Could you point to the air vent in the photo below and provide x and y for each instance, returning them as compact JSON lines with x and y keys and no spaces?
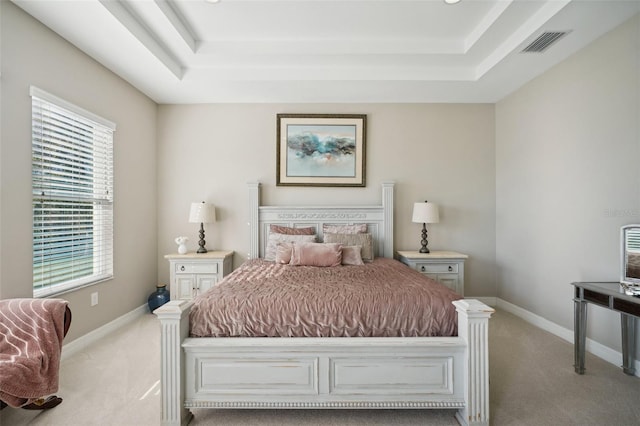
{"x":544,"y":41}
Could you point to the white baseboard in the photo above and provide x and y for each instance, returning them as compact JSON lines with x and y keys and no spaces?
{"x":597,"y":349}
{"x":96,"y":335}
{"x":490,"y":301}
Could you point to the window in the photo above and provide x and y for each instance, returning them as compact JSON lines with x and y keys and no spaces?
{"x":72,"y":181}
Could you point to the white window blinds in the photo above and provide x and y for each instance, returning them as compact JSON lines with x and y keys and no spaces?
{"x":72,"y":180}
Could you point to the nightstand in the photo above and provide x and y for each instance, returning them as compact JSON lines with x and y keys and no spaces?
{"x":194,"y":273}
{"x":446,"y":267}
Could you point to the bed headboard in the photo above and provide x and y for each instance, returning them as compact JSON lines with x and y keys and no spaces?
{"x":379,"y":219}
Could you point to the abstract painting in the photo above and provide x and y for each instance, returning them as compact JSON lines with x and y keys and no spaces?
{"x":321,"y":149}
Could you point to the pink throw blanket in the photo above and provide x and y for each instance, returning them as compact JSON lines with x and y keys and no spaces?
{"x":31,"y":333}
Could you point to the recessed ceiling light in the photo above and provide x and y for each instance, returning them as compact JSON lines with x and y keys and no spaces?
{"x":212,"y":1}
{"x":451,"y":1}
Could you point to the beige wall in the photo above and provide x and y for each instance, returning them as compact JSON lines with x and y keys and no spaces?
{"x":33,"y":55}
{"x":567,"y":178}
{"x":443,"y":153}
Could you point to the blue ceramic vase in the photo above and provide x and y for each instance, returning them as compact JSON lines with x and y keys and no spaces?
{"x":158,"y":297}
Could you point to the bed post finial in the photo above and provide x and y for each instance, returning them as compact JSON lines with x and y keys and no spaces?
{"x":254,"y":203}
{"x":387,"y":205}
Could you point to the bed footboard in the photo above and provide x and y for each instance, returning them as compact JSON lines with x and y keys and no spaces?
{"x":436,"y":372}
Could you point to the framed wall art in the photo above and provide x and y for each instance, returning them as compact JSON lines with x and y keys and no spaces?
{"x":321,"y":149}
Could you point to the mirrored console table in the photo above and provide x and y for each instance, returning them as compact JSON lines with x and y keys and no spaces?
{"x":608,"y":295}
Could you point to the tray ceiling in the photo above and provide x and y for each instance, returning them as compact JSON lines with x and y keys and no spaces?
{"x":194,"y":51}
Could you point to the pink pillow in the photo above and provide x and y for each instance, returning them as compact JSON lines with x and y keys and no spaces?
{"x":351,"y":255}
{"x":316,"y":254}
{"x":283,"y":253}
{"x":278,"y":229}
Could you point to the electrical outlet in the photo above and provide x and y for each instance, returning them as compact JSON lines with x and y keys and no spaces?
{"x":94,"y":298}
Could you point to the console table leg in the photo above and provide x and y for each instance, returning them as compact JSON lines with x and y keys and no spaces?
{"x":580,"y":334}
{"x":628,"y":343}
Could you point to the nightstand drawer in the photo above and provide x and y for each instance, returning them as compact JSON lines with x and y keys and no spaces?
{"x":196,"y":268}
{"x":437,"y":268}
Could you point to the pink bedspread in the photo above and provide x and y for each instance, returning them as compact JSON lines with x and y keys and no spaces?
{"x":380,"y":299}
{"x":31,"y":333}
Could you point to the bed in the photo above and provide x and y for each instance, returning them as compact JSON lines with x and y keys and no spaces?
{"x":449,"y":372}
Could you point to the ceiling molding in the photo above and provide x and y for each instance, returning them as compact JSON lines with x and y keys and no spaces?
{"x":487,"y":22}
{"x":127,"y":17}
{"x":179,"y":23}
{"x":323,"y":47}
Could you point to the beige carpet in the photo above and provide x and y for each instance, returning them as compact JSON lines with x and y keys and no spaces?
{"x":115,"y":382}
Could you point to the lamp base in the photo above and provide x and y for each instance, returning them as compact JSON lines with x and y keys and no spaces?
{"x":202,"y":242}
{"x":424,"y":241}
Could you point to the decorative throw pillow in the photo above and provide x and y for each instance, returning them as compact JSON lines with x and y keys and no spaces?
{"x":365,"y":240}
{"x":278,"y":229}
{"x":357,"y":228}
{"x":274,"y":239}
{"x":351,"y":255}
{"x":283,"y":253}
{"x":316,"y":254}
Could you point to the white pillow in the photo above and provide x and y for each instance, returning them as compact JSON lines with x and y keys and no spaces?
{"x":357,"y":228}
{"x":274,"y":239}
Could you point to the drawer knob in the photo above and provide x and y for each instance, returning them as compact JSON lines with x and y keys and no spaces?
{"x":182,"y":268}
{"x":450,"y":268}
{"x":422,"y":268}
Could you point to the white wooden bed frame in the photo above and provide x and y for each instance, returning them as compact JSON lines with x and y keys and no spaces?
{"x":352,"y":373}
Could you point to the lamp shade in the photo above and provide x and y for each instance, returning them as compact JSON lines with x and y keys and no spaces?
{"x":202,"y":213}
{"x":425,"y":213}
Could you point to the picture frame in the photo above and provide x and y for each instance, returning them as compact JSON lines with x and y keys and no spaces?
{"x":321,"y":150}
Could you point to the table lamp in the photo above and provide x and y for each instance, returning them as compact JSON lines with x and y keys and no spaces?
{"x":202,"y":213}
{"x":425,"y":213}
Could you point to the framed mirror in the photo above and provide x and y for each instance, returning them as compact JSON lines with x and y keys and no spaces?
{"x":630,"y":258}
